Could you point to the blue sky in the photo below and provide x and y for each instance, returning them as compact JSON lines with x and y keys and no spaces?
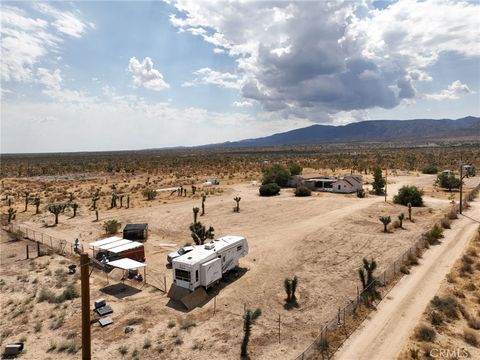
{"x":79,"y":76}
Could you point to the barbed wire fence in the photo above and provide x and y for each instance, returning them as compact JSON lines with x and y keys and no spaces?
{"x":340,"y":326}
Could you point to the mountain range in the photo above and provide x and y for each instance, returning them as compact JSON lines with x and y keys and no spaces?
{"x":418,"y":130}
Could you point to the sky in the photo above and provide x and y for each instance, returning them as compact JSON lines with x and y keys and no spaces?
{"x":95,"y":76}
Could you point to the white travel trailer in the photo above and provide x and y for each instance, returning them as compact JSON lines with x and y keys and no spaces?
{"x":206,"y":264}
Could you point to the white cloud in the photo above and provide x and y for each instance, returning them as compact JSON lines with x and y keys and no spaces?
{"x":242,"y":104}
{"x":145,"y":75}
{"x":25,"y":40}
{"x":208,"y":76}
{"x":454,"y":90}
{"x":316,"y":59}
{"x":65,"y":21}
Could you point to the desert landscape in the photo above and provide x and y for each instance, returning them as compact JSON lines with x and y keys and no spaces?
{"x":320,"y":239}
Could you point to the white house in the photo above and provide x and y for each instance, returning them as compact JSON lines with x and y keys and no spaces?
{"x":346,"y":184}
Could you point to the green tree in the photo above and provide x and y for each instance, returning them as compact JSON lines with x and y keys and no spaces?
{"x":277,"y":174}
{"x":385,"y":220}
{"x":409,"y":194}
{"x":249,"y":318}
{"x":290,"y":286}
{"x":378,"y":181}
{"x":200,"y":233}
{"x":369,"y":282}
{"x":295,"y":169}
{"x":237,"y":200}
{"x":56,"y":209}
{"x":111,"y":226}
{"x":448,"y":181}
{"x":302,"y":191}
{"x":149,"y":194}
{"x":74,"y":207}
{"x":401,"y":217}
{"x":430,"y":169}
{"x":269,"y":189}
{"x":113,"y":202}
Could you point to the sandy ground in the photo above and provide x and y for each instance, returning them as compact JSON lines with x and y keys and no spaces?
{"x":385,"y":333}
{"x":321,"y":239}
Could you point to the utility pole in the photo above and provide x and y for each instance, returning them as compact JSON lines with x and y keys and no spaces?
{"x":460,"y":208}
{"x":85,"y":277}
{"x":386,"y":174}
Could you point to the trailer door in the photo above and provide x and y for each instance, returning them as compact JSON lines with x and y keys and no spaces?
{"x":210,"y":272}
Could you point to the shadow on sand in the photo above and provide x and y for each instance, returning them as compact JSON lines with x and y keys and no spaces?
{"x":228,"y":278}
{"x":120,"y":290}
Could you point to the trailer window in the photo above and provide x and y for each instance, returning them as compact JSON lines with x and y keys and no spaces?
{"x":239,"y":248}
{"x":182,"y":275}
{"x":196,"y":276}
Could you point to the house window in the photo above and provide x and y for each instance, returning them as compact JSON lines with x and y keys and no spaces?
{"x":182,"y":275}
{"x":339,"y":186}
{"x":196,"y":276}
{"x":239,"y":248}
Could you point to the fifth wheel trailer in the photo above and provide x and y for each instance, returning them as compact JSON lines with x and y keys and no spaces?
{"x":206,"y":264}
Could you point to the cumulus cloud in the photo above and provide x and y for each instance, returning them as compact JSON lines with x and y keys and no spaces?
{"x":242,"y":104}
{"x":145,"y":75}
{"x":209,"y":76}
{"x":317,"y":59}
{"x":65,"y":22}
{"x":454,"y":91}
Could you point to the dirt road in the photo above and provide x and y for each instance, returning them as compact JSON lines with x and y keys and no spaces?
{"x":384,"y":334}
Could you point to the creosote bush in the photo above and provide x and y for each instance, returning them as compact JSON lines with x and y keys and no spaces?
{"x":111,"y":226}
{"x":425,"y":333}
{"x":409,"y":194}
{"x":302,"y":191}
{"x":270,"y":189}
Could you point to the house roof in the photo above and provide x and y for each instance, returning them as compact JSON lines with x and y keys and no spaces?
{"x":104,"y":241}
{"x":126,"y":264}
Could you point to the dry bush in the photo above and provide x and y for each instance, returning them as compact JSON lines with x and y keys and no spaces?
{"x":425,"y":333}
{"x":470,"y":337}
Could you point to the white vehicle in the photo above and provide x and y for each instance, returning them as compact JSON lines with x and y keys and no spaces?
{"x":205,"y":265}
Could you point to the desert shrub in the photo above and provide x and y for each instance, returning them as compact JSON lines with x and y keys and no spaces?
{"x":409,"y":194}
{"x":474,"y":323}
{"x":302,"y":191}
{"x":425,"y":333}
{"x":412,"y":259}
{"x":434,"y":235}
{"x":448,"y":306}
{"x":70,"y":346}
{"x":404,"y":270}
{"x":448,"y":181}
{"x":277,"y":174}
{"x":123,"y":350}
{"x":187,"y":324}
{"x":270,"y":189}
{"x":149,"y":194}
{"x":360,"y":193}
{"x":57,"y":323}
{"x":147,"y":343}
{"x":295,"y":169}
{"x":37,"y":327}
{"x":446,"y":223}
{"x":470,"y":337}
{"x":436,"y":318}
{"x":452,"y":215}
{"x":171,"y":324}
{"x":111,"y":226}
{"x":430,"y":169}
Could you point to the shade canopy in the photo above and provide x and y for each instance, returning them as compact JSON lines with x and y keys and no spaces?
{"x":126,"y":264}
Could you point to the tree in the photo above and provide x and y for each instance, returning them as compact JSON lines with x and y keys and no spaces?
{"x":74,"y":207}
{"x":195,"y":210}
{"x":385,"y":221}
{"x":369,"y":282}
{"x":295,"y":169}
{"x":401,"y":217}
{"x":111,"y":226}
{"x":121,"y":200}
{"x":204,"y":197}
{"x":36,"y":202}
{"x":194,"y":189}
{"x":409,"y":195}
{"x":56,"y":209}
{"x":269,"y":189}
{"x":249,"y":318}
{"x":290,"y":286}
{"x":448,"y":181}
{"x":360,"y":193}
{"x":237,"y":200}
{"x":302,"y":191}
{"x":149,"y":194}
{"x":378,"y":181}
{"x":277,"y":174}
{"x":430,"y":169}
{"x":113,"y":202}
{"x":12,"y":213}
{"x":27,"y":194}
{"x":200,"y":233}
{"x":409,"y":211}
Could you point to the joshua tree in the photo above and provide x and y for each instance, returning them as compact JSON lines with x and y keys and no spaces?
{"x":385,"y":221}
{"x":400,"y":218}
{"x":409,"y":211}
{"x":290,"y":286}
{"x":113,"y":203}
{"x":56,"y":209}
{"x":72,"y":196}
{"x":36,"y":202}
{"x":378,"y":181}
{"x":95,"y":198}
{"x":249,"y":318}
{"x":27,"y":194}
{"x":200,"y":233}
{"x":11,"y":214}
{"x":237,"y":200}
{"x":74,"y":207}
{"x":96,"y":215}
{"x":369,"y":282}
{"x":194,"y":189}
{"x":195,"y":214}
{"x":128,"y":201}
{"x":204,"y":197}
{"x":121,"y":200}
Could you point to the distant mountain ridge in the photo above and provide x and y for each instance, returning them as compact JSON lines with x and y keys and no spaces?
{"x":370,"y":131}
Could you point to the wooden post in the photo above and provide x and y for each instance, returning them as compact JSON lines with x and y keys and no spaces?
{"x":86,"y":340}
{"x":165,"y":282}
{"x":386,"y":174}
{"x":279,"y":322}
{"x":461,"y":186}
{"x":26,"y":246}
{"x":38,"y":249}
{"x":214,"y":305}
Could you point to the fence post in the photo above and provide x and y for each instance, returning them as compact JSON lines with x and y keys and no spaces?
{"x":38,"y":249}
{"x":394,"y":272}
{"x":279,"y":328}
{"x":165,"y":283}
{"x":26,"y":246}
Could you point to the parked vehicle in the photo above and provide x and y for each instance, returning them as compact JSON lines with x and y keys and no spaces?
{"x":205,"y":265}
{"x":179,"y":252}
